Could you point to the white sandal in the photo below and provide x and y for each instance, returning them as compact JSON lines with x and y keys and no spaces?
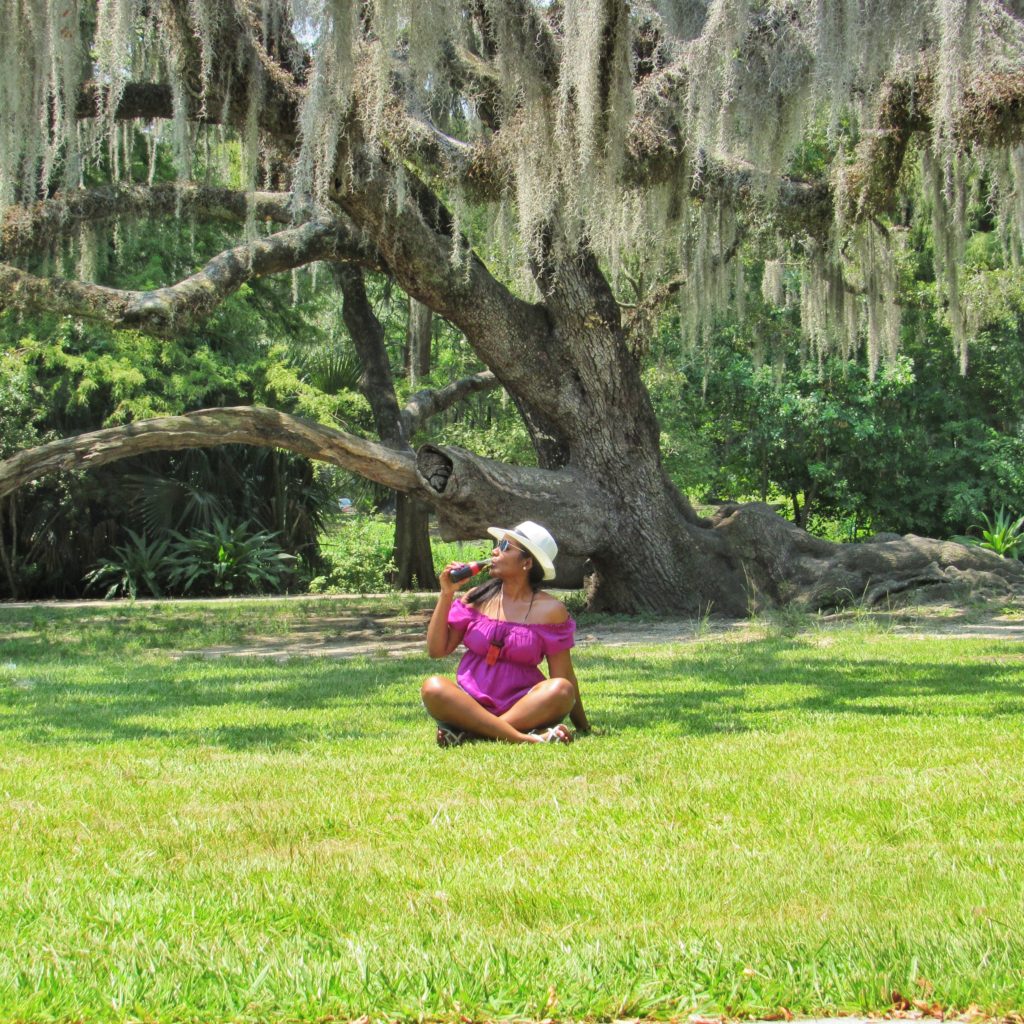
{"x":555,"y":734}
{"x":449,"y":737}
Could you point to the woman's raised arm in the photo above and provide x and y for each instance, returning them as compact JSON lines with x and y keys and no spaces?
{"x":442,"y":639}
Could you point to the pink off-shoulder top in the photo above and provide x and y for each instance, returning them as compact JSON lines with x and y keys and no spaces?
{"x":524,"y":645}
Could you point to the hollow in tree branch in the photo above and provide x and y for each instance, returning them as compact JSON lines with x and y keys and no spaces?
{"x":471,"y":493}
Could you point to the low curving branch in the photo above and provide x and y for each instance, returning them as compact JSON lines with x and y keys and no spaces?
{"x":468,"y":492}
{"x":206,"y":428}
{"x":164,"y":311}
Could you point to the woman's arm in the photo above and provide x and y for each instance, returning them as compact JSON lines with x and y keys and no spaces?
{"x":560,"y":666}
{"x":441,"y":638}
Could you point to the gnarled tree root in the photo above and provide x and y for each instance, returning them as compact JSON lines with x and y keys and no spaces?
{"x":785,"y":565}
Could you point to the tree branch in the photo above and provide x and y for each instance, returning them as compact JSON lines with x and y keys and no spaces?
{"x":222,"y":96}
{"x":254,"y":425}
{"x":147,"y":101}
{"x":416,"y":241}
{"x":30,"y":229}
{"x":990,"y":113}
{"x":992,"y":110}
{"x":479,"y":167}
{"x":867,"y":186}
{"x":471,"y":493}
{"x":424,"y":404}
{"x":283,"y":77}
{"x":165,"y":311}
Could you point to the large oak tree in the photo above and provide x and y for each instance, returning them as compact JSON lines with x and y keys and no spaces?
{"x":546,"y":176}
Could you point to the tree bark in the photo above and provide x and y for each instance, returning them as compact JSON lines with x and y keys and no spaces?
{"x":267,"y":428}
{"x":414,"y":559}
{"x":411,"y":548}
{"x":421,"y":322}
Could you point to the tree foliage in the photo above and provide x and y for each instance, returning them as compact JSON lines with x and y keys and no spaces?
{"x":548,"y":177}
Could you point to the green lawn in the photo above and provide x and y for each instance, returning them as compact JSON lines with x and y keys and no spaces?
{"x":808,"y":822}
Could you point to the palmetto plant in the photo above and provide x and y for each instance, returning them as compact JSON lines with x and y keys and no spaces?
{"x":227,"y":559}
{"x":1001,"y":533}
{"x":139,"y":566}
{"x":274,"y":490}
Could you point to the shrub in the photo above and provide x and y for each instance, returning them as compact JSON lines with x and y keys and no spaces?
{"x":358,"y":556}
{"x":1002,"y":534}
{"x":139,"y":566}
{"x":229,"y":559}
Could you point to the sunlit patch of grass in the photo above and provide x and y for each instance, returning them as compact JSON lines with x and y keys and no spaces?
{"x":775,"y":823}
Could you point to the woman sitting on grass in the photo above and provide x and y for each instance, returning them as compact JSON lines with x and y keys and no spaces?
{"x":508,"y":626}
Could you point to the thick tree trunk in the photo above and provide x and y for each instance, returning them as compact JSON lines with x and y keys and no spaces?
{"x":413,"y":557}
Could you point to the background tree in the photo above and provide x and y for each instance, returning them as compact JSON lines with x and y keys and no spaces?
{"x":517,"y":168}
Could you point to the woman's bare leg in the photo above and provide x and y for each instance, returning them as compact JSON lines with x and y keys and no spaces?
{"x":546,"y":704}
{"x":446,"y":702}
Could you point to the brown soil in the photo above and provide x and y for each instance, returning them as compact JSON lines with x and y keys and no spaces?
{"x":352,"y":635}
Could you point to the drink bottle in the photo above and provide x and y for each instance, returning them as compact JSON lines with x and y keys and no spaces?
{"x":469,"y":569}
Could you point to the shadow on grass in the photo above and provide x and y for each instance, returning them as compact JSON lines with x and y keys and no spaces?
{"x":230,"y":702}
{"x":254,"y":703}
{"x":744,"y":687}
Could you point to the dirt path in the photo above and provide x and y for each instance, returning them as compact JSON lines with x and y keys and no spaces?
{"x":357,"y":634}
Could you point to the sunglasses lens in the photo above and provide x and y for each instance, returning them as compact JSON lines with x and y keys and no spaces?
{"x":504,"y":545}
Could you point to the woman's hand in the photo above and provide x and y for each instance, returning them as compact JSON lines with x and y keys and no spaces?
{"x":448,"y":585}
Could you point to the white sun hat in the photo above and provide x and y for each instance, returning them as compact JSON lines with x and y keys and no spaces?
{"x":535,"y":539}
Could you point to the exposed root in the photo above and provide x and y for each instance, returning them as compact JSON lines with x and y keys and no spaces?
{"x":786,"y":566}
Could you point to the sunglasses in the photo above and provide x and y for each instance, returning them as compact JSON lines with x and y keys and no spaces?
{"x":504,"y":544}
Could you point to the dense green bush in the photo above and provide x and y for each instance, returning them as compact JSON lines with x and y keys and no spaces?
{"x":357,"y":556}
{"x":357,"y":551}
{"x":229,"y":559}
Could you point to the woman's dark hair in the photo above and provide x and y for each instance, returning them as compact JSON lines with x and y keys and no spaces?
{"x":491,"y":587}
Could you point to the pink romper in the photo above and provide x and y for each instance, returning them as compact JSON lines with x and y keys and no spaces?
{"x":497,"y":687}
